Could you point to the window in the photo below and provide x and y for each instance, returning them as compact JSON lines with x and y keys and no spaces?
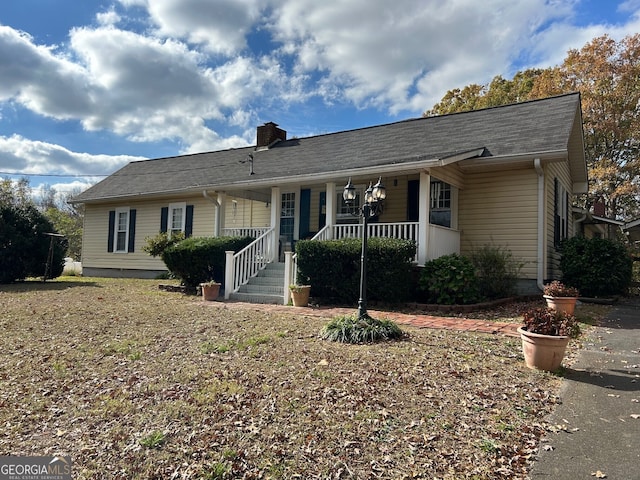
{"x":561,"y":213}
{"x":440,"y":204}
{"x":176,"y":218}
{"x":287,"y":215}
{"x":122,"y":230}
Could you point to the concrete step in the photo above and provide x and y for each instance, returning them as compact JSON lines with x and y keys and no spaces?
{"x":256,"y":298}
{"x":268,"y":281}
{"x":266,"y":287}
{"x":262,"y":289}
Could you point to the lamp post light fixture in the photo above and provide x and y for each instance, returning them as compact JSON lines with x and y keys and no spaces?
{"x":373,"y":201}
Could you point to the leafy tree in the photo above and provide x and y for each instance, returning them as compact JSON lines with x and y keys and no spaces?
{"x":606,"y":74}
{"x":68,"y":225}
{"x":24,"y":245}
{"x":65,"y":218}
{"x":15,"y":193}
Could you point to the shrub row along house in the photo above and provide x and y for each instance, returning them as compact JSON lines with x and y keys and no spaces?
{"x":504,"y":176}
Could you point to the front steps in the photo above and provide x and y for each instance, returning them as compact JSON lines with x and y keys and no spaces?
{"x":266,"y":287}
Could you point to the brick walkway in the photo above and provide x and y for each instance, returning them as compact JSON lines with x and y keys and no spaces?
{"x":415,"y":320}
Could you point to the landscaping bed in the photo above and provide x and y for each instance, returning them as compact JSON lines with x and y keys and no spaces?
{"x":135,"y":382}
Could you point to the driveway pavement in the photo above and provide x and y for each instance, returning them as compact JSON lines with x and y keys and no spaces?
{"x":598,"y":422}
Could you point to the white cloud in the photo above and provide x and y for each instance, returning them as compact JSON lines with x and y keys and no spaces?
{"x":221,"y":26}
{"x":20,"y":155}
{"x":404,"y":55}
{"x":197,"y":70}
{"x":108,"y":18}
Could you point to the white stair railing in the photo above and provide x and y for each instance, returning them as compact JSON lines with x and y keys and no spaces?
{"x":241,"y":266}
{"x":244,"y":231}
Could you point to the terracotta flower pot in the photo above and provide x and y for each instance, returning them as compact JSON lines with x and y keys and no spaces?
{"x":300,"y":296}
{"x":211,"y":291}
{"x":543,"y":352}
{"x":562,"y":304}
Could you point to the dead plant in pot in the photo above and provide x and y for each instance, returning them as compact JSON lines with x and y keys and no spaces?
{"x":545,"y":335}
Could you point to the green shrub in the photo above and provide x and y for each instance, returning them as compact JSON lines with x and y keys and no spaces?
{"x":497,"y":271}
{"x":199,"y":259}
{"x":155,"y":246}
{"x":24,"y":247}
{"x":449,"y":280}
{"x":332,"y":267}
{"x":351,"y":329}
{"x":596,"y":266}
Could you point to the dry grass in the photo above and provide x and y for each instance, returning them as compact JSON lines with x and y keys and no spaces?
{"x":134,"y":382}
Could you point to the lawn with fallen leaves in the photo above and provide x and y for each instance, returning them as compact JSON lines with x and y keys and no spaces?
{"x":135,"y":382}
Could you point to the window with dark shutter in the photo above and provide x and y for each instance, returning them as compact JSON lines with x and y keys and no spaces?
{"x":132,"y":230}
{"x":560,"y":213}
{"x":112,"y":227}
{"x":188,"y":222}
{"x":164,"y":219}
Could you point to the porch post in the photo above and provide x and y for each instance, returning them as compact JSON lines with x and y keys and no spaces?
{"x":276,"y":206}
{"x":423,"y":217}
{"x":330,"y":214}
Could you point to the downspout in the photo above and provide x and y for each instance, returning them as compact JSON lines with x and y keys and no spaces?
{"x":216,"y":204}
{"x":537,"y":165}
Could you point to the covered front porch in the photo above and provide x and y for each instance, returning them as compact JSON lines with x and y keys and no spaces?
{"x":419,"y":207}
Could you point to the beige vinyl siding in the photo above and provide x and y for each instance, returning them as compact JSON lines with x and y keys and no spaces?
{"x":96,"y":230}
{"x":450,"y":174}
{"x":246,"y":213}
{"x":560,"y":171}
{"x":500,"y":208}
{"x":395,"y":206}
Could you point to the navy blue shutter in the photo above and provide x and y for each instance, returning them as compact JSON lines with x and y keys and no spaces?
{"x":566,"y":219}
{"x":556,"y":213}
{"x":188,"y":221}
{"x":112,"y":227}
{"x":132,"y":230}
{"x":164,"y":216}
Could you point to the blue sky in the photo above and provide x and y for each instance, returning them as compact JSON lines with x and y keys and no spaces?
{"x":87,"y":86}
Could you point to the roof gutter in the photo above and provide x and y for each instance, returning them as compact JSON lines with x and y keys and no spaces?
{"x":537,"y":165}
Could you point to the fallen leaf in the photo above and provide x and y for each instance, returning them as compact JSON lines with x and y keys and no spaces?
{"x":598,"y":474}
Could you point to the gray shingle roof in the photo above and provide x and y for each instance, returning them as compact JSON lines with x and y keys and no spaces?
{"x":519,"y":129}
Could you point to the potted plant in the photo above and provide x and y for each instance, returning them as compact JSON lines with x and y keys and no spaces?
{"x":210,"y":290}
{"x":545,"y":335}
{"x":300,"y":295}
{"x":561,"y":297}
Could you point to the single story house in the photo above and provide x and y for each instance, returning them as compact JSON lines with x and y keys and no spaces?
{"x":505,"y":176}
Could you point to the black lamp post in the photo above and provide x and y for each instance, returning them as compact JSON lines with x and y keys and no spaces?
{"x":371,"y":207}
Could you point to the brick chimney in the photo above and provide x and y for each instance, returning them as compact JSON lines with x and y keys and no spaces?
{"x":268,"y":134}
{"x":598,"y":208}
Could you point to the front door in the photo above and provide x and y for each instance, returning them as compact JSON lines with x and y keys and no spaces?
{"x":287,"y":217}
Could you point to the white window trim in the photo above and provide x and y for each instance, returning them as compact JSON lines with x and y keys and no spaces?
{"x":116,"y":231}
{"x":176,"y":206}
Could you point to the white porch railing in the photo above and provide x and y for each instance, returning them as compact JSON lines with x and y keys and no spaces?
{"x":241,"y":266}
{"x":244,"y":231}
{"x":442,"y":241}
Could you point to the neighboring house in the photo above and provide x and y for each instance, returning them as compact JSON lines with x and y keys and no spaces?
{"x":504,"y":176}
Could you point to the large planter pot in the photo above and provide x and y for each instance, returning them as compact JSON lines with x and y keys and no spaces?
{"x":210,"y":291}
{"x":543,"y":352}
{"x":561,"y":304}
{"x":300,"y":296}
